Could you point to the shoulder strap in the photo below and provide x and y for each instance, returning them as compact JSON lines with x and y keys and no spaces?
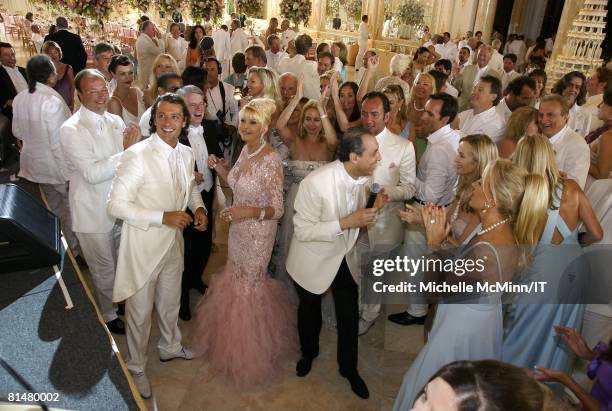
{"x":222,"y":91}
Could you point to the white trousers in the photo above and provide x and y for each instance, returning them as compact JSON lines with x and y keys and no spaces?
{"x":100,"y":251}
{"x":57,"y":198}
{"x":164,"y":291}
{"x":415,"y":244}
{"x":360,"y":54}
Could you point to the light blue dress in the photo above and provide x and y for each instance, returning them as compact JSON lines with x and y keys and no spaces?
{"x":459,"y":332}
{"x":529,"y":336}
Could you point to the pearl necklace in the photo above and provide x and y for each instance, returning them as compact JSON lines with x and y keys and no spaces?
{"x":415,"y":107}
{"x":254,"y":153}
{"x":494,"y":226}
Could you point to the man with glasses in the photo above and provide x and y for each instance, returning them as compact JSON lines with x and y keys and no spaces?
{"x":93,"y":141}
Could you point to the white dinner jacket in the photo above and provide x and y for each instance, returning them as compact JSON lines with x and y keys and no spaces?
{"x":299,"y":65}
{"x":572,"y":154}
{"x":139,"y":196}
{"x":318,"y":246}
{"x":146,"y":53}
{"x":396,"y":173}
{"x":92,"y":160}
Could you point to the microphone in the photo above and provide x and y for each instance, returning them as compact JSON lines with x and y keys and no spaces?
{"x":373,"y":193}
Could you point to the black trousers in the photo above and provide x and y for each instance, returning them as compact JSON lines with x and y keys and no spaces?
{"x":197,"y":248}
{"x":345,"y":293}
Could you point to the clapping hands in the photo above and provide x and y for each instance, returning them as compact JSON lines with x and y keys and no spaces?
{"x":437,"y":229}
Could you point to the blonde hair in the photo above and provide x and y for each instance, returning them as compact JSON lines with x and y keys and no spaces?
{"x":536,"y":155}
{"x":311,"y":104}
{"x":398,"y":92}
{"x":259,"y":109}
{"x":269,"y":80}
{"x":519,"y":121}
{"x":329,"y":74}
{"x":484,"y":151}
{"x":416,"y":79}
{"x":521,"y":196}
{"x":151,"y":92}
{"x":51,"y":44}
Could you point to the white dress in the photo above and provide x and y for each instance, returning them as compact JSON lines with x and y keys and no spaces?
{"x":129,"y":118}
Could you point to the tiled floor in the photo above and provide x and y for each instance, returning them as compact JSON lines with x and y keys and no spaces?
{"x":385,"y":354}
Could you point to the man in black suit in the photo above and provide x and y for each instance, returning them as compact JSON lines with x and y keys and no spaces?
{"x":198,"y":243}
{"x":71,"y":44}
{"x":13,"y":79}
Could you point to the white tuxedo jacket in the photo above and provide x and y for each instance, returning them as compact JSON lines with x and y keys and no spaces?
{"x":318,"y":246}
{"x":140,"y":193}
{"x":396,"y":173}
{"x":92,"y":161}
{"x":146,"y":52}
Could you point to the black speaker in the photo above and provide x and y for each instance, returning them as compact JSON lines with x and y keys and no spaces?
{"x":29,"y":233}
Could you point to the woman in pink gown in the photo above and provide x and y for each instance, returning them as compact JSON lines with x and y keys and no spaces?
{"x":246,"y":325}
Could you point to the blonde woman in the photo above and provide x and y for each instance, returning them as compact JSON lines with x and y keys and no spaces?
{"x":474,"y":153}
{"x":262,"y":83}
{"x":246,"y":325}
{"x":522,"y":121}
{"x":398,"y":118}
{"x":530,"y":338}
{"x":164,"y":63}
{"x":506,"y":200}
{"x":423,"y":87}
{"x":65,"y":75}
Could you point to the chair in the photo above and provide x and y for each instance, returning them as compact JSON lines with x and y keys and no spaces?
{"x":9,"y":25}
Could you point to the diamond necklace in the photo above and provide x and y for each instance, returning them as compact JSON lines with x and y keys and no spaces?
{"x":254,"y":153}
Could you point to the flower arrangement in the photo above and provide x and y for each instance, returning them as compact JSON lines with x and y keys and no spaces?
{"x":353,"y":9}
{"x":168,"y":6}
{"x":202,"y":9}
{"x":95,"y":9}
{"x":411,"y":13}
{"x":141,"y":5}
{"x":296,"y":10}
{"x":249,"y":7}
{"x":333,"y":7}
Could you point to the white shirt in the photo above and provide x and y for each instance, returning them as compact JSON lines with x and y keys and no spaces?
{"x":572,"y":154}
{"x":591,"y":108}
{"x":299,"y":65}
{"x":579,"y":120}
{"x":497,"y":61}
{"x":17,"y":78}
{"x":38,"y":40}
{"x":338,"y":65}
{"x":363,"y":35}
{"x":37,"y":118}
{"x":507,"y":77}
{"x":215,"y":103}
{"x":451,"y":90}
{"x":287,"y":36}
{"x":503,"y":110}
{"x":447,"y":50}
{"x":479,"y":73}
{"x":353,"y":188}
{"x":239,"y":41}
{"x":436,"y":175}
{"x":274,"y":59}
{"x":200,"y":153}
{"x":488,"y":122}
{"x":177,"y":48}
{"x":144,"y":123}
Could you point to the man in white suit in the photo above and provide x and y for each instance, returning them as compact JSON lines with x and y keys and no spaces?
{"x":154,"y":184}
{"x":571,"y":150}
{"x":93,"y":141}
{"x":299,"y":65}
{"x":329,"y":211}
{"x":396,"y":173}
{"x":239,"y":40}
{"x":148,"y":47}
{"x":223,"y":47}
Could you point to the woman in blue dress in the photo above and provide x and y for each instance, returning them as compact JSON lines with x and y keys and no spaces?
{"x":507,"y":200}
{"x":529,"y":336}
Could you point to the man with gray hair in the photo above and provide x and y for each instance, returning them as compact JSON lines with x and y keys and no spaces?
{"x":571,"y":150}
{"x":73,"y":51}
{"x":497,"y":59}
{"x":471,"y":75}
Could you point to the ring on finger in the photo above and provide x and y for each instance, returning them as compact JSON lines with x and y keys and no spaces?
{"x":432,"y":221}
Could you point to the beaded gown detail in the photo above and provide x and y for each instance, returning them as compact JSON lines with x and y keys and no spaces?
{"x":246,"y":325}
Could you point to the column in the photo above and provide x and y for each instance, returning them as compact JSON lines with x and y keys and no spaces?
{"x":517,"y":17}
{"x":485,"y":16}
{"x":570,"y":10}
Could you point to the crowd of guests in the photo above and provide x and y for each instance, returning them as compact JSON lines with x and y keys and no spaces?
{"x":467,"y":145}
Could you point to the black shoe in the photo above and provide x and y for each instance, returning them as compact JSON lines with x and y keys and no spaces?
{"x":303,"y":367}
{"x":121,"y":309}
{"x":200,"y":287}
{"x":116,"y":326}
{"x":81,"y":261}
{"x":406,"y":319}
{"x":185,"y":312}
{"x":358,"y":385}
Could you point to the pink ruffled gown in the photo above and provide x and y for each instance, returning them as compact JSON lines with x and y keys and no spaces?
{"x":246,"y":325}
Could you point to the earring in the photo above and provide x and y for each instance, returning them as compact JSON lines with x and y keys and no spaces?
{"x":487,"y":207}
{"x":262,"y":140}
